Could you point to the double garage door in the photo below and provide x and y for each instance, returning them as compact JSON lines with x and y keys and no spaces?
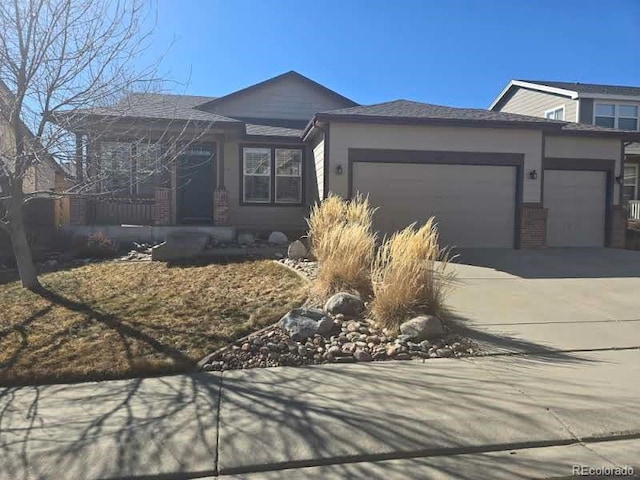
{"x":475,"y":205}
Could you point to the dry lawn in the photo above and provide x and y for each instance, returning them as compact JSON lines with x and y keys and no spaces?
{"x":117,"y":320}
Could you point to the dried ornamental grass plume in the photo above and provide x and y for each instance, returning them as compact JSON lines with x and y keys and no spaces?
{"x":341,"y":239}
{"x":348,"y":252}
{"x":410,"y":275}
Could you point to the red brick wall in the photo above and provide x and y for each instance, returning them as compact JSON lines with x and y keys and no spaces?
{"x":162,"y":207}
{"x":221,"y":206}
{"x":533,"y":226}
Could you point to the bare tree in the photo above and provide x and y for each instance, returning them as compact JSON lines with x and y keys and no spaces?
{"x":59,"y":61}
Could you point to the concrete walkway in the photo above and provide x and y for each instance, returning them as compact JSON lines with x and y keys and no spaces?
{"x":559,"y":389}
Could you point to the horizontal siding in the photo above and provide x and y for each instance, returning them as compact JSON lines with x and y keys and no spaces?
{"x":288,"y":98}
{"x":529,"y":102}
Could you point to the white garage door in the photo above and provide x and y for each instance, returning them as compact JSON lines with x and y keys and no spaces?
{"x":473,"y":204}
{"x":576,"y":201}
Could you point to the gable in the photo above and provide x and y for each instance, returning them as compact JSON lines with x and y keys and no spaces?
{"x":535,"y":103}
{"x":290,"y":96}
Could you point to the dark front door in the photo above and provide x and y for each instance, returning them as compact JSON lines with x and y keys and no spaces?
{"x":195,"y":188}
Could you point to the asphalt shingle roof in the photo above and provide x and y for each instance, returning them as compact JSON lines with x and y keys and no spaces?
{"x":411,"y":109}
{"x":590,"y":87}
{"x":162,"y":106}
{"x":269,"y":130}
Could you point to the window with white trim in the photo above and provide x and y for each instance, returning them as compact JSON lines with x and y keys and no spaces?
{"x":630,"y":182}
{"x":272,"y":175}
{"x":257,"y":175}
{"x":555,"y":114}
{"x":288,"y":175}
{"x":613,"y":115}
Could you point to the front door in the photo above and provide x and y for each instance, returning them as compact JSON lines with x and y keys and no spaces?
{"x":195,"y":187}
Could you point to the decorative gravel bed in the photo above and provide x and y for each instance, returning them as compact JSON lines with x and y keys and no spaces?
{"x":308,"y":268}
{"x":349,"y":341}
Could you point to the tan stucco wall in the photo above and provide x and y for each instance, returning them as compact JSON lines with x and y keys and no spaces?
{"x":263,"y":217}
{"x":344,"y":136}
{"x":587,"y":148}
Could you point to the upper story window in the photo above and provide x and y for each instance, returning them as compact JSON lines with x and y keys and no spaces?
{"x":555,"y":113}
{"x":271,"y":175}
{"x":612,"y":115}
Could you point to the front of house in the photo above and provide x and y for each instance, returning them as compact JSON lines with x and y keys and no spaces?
{"x":263,"y":155}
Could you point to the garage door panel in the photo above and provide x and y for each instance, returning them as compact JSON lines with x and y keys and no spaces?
{"x":474,"y":205}
{"x":576,"y":206}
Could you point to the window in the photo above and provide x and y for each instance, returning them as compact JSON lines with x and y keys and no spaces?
{"x":555,"y":114}
{"x":630,"y":184}
{"x":116,"y":167}
{"x":129,"y":168}
{"x":288,"y":176}
{"x":257,"y":175}
{"x":272,"y":175}
{"x":147,"y":157}
{"x":611,"y":115}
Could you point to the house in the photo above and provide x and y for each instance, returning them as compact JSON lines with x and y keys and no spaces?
{"x":265,"y":153}
{"x":609,"y":106}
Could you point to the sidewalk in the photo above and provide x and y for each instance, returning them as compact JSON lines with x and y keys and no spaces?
{"x":443,"y":418}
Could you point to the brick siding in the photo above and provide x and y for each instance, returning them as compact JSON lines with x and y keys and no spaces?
{"x":78,"y":211}
{"x":221,"y":207}
{"x":617,"y":227}
{"x":533,"y":226}
{"x":162,"y":207}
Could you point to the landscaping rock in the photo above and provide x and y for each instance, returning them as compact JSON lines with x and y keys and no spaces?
{"x":303,"y":323}
{"x":444,"y":352}
{"x":278,"y":238}
{"x":246,"y":239}
{"x":297,"y":251}
{"x":362,"y":356}
{"x":347,"y":304}
{"x":424,"y":327}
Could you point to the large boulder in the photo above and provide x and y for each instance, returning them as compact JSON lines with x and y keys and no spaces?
{"x":302,"y":323}
{"x":297,"y":251}
{"x":424,"y":327}
{"x":349,"y":305}
{"x":278,"y":238}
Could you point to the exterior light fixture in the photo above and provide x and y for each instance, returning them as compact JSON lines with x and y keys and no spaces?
{"x":339,"y":170}
{"x":533,"y":174}
{"x":619,"y":179}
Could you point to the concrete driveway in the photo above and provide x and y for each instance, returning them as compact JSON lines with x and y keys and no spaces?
{"x":548,"y":301}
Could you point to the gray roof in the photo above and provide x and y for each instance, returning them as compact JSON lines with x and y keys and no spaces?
{"x":408,"y":109}
{"x":588,"y":88}
{"x":162,"y":106}
{"x":269,"y":130}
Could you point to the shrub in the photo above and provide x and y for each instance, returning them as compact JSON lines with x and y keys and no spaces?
{"x":341,"y":239}
{"x":333,"y":212}
{"x":96,"y":245}
{"x":410,"y":275}
{"x":347,"y":253}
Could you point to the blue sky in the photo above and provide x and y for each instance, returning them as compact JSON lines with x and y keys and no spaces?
{"x":452,"y":52}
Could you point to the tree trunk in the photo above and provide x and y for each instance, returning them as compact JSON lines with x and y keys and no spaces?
{"x":21,"y":249}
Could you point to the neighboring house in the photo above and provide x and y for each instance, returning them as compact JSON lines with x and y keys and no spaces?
{"x":603,"y":105}
{"x":47,"y":174}
{"x":273,"y":149}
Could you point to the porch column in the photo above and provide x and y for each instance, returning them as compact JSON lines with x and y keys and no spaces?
{"x":78,"y":210}
{"x":617,"y":227}
{"x":220,"y":193}
{"x":163,"y":194}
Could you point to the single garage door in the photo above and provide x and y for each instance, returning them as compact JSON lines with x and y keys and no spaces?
{"x":576,"y":203}
{"x":473,"y":204}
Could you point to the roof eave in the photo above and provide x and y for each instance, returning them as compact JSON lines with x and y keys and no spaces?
{"x":436,"y":122}
{"x":618,"y":135}
{"x":610,"y":96}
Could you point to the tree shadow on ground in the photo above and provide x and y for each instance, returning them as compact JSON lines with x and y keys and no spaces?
{"x":187,"y":426}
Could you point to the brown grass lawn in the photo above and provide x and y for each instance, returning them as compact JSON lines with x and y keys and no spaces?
{"x":117,"y":320}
